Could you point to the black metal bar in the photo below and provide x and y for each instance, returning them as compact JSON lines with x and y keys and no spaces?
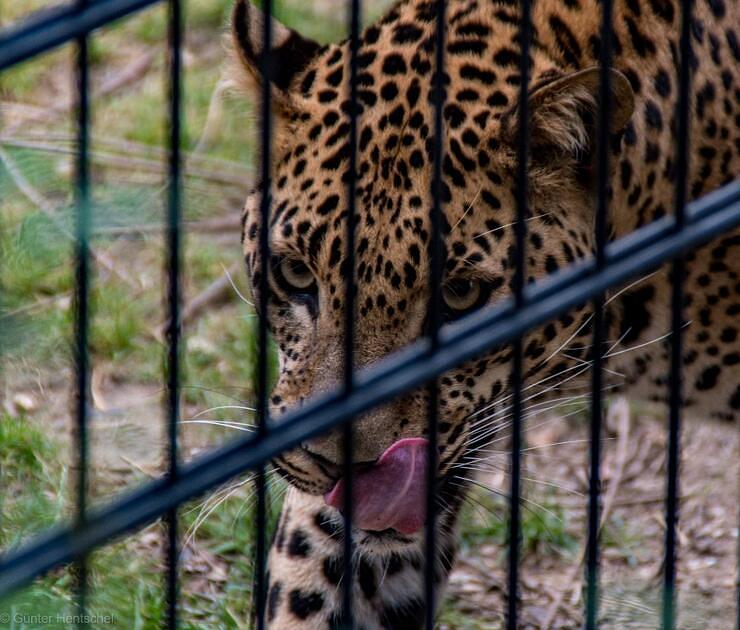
{"x":435,"y":252}
{"x":630,"y":256}
{"x":174,"y":246}
{"x":677,"y":278}
{"x":49,"y":28}
{"x":264,"y":291}
{"x":82,"y":308}
{"x":600,"y":238}
{"x":519,"y":280}
{"x":349,"y":322}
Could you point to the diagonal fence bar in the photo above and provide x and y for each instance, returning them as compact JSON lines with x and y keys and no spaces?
{"x":48,"y":28}
{"x":635,"y":254}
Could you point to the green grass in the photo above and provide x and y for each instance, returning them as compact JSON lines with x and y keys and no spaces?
{"x":31,"y":483}
{"x":484,"y":519}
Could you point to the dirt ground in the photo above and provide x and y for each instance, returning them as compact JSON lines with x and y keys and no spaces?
{"x":631,"y":569}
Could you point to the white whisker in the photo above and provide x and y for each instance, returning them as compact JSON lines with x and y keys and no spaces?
{"x":472,"y":203}
{"x":205,"y":411}
{"x":238,"y":426}
{"x":501,"y":227}
{"x":233,"y":286}
{"x":647,"y":343}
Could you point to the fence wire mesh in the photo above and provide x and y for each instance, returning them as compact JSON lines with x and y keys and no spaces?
{"x":419,"y":365}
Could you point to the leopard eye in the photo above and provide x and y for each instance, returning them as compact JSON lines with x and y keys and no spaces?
{"x":296,"y":275}
{"x":461,"y":294}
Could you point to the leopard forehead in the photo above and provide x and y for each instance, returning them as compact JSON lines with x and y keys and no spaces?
{"x":395,"y":151}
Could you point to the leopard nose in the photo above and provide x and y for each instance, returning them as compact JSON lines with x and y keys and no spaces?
{"x":332,"y":463}
{"x":330,"y":468}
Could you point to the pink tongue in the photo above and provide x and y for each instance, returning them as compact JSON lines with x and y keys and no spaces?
{"x":392,"y":493}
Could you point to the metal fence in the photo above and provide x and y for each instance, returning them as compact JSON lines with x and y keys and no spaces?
{"x":667,"y":239}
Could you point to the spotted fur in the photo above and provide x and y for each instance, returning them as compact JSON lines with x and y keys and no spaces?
{"x":308,"y":201}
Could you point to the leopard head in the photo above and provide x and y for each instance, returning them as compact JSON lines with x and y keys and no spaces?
{"x":308,"y":196}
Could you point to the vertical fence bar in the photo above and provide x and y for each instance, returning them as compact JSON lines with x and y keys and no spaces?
{"x":264,"y":288}
{"x":677,"y":275}
{"x":82,"y":305}
{"x":434,"y":310}
{"x":349,"y":324}
{"x":174,"y":255}
{"x":600,"y":238}
{"x":520,"y":229}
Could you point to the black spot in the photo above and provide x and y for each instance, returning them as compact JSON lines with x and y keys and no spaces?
{"x":467,"y":46}
{"x":634,"y":79}
{"x":718,"y":7}
{"x":663,"y":9}
{"x":728,"y":335}
{"x":372,"y":34}
{"x":733,"y":43}
{"x":365,"y":59}
{"x":326,"y":524}
{"x":273,"y":600}
{"x":497,"y":99}
{"x":303,"y":605}
{"x":636,"y":313}
{"x":405,"y":33}
{"x":652,"y":116}
{"x":567,"y":41}
{"x":625,"y":174}
{"x":506,"y":57}
{"x":473,"y":28}
{"x":663,"y":83}
{"x":389,"y":91}
{"x":307,"y":81}
{"x":333,"y":568}
{"x":367,"y":580}
{"x":335,"y":78}
{"x":454,"y":115}
{"x":327,"y":96}
{"x":394,"y":64}
{"x":299,"y":547}
{"x":408,"y":614}
{"x":328,"y":205}
{"x":416,"y":159}
{"x":467,"y":95}
{"x":708,"y":378}
{"x":642,"y":45}
{"x":473,"y":73}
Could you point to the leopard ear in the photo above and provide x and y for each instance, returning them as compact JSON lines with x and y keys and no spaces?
{"x":289,"y":56}
{"x":563,"y":117}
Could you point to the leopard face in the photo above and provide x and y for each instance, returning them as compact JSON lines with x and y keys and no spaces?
{"x":308,"y":198}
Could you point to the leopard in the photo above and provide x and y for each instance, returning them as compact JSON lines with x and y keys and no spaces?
{"x":307,"y":272}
